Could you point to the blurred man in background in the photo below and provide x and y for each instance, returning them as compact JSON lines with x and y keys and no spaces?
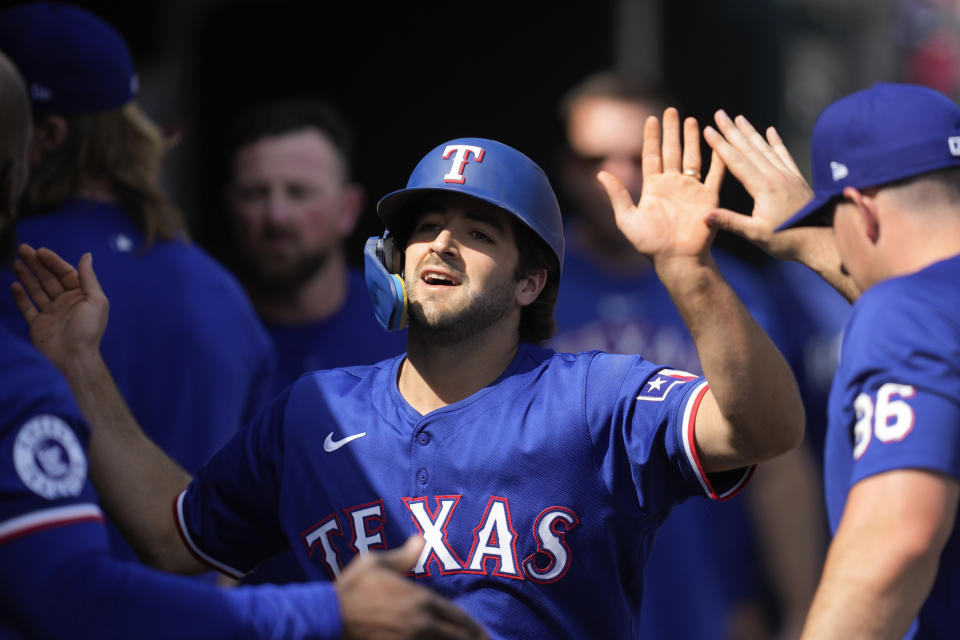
{"x":292,"y":204}
{"x":184,"y":344}
{"x":712,"y":565}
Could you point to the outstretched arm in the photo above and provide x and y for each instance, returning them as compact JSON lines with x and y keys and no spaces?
{"x":137,"y":482}
{"x":771,"y":177}
{"x":753,"y":410}
{"x":884,"y":558}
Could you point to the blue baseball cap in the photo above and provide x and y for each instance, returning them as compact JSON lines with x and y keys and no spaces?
{"x":879,"y":135}
{"x":72,"y":61}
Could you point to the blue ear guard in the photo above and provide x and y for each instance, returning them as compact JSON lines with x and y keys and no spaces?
{"x":381,"y":259}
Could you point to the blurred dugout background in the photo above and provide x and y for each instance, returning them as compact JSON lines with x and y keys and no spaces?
{"x":410,"y":75}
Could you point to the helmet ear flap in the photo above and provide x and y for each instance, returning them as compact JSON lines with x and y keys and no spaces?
{"x":389,"y":253}
{"x":382,"y":259}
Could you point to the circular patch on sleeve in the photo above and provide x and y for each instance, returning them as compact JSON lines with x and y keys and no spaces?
{"x":49,"y":459}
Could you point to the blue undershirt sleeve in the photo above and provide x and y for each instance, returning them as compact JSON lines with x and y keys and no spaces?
{"x":61,"y":582}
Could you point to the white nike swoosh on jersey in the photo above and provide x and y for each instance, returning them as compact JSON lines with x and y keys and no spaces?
{"x":330,"y":445}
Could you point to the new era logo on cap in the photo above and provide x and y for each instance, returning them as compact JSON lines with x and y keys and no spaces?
{"x":40,"y":93}
{"x":954,"y":143}
{"x":839,"y":171}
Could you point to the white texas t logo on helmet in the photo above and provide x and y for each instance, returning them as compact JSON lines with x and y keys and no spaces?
{"x":461,"y":154}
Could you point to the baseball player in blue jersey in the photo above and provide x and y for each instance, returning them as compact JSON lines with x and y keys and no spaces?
{"x":536,"y":479}
{"x":886,"y":176}
{"x":57,"y":579}
{"x":95,"y":186}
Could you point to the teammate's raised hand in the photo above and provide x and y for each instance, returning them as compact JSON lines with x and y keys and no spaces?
{"x":769,"y":174}
{"x":64,"y":307}
{"x":377,"y":602}
{"x":668,"y":221}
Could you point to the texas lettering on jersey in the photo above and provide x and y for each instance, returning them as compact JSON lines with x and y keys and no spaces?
{"x":493,"y":550}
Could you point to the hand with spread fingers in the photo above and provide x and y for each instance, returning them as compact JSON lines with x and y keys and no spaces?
{"x":668,"y":221}
{"x":64,"y":307}
{"x":769,"y":174}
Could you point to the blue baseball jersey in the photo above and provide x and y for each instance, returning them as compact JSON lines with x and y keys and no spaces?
{"x":352,"y":336}
{"x":546,"y":485}
{"x":57,"y":579}
{"x":895,"y":404}
{"x":705,"y":555}
{"x":183,"y":343}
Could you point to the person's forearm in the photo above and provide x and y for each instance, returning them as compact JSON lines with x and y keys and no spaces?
{"x":867,"y":593}
{"x":137,"y":481}
{"x":884,"y":558}
{"x":754,"y":387}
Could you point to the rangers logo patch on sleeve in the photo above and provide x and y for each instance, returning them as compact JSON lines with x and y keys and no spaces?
{"x":49,"y":459}
{"x":659,"y":385}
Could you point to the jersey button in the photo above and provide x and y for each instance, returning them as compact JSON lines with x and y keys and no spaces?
{"x":422,"y":476}
{"x":423,"y":438}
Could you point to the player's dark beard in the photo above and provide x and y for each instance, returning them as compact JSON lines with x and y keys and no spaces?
{"x":480,"y":312}
{"x":280,"y":282}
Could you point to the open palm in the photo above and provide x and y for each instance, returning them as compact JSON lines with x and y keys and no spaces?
{"x":65,"y":308}
{"x":668,"y":221}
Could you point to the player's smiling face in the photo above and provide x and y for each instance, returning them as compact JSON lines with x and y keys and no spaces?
{"x":460,"y":265}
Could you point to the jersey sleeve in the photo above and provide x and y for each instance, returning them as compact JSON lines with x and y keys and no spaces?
{"x":44,"y":482}
{"x":227,"y":517}
{"x":642,"y":418}
{"x":898,"y":388}
{"x":61,"y":582}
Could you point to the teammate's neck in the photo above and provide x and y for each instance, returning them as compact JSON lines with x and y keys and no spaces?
{"x":321,"y":297}
{"x":433,"y":376}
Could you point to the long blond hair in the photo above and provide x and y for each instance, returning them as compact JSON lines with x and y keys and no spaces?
{"x":122,"y":147}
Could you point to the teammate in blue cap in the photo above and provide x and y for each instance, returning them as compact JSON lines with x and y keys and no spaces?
{"x":57,"y":579}
{"x":536,"y":479}
{"x":191,"y":358}
{"x":886,"y":178}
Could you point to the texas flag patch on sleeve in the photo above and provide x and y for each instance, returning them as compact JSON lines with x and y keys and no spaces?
{"x":659,"y":385}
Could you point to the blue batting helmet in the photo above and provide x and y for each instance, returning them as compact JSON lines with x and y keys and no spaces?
{"x":492,"y":172}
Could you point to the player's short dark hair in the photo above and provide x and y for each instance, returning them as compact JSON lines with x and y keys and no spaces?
{"x":945,"y":183}
{"x":537,"y":324}
{"x":289,"y":116}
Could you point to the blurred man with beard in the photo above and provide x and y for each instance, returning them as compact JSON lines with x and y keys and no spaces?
{"x":292,"y":205}
{"x":184,"y":345}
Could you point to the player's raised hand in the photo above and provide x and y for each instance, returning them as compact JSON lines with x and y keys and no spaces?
{"x":668,"y":221}
{"x":377,"y":602}
{"x":64,"y":307}
{"x":769,"y":174}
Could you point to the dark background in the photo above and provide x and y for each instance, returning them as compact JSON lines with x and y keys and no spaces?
{"x":409,"y":76}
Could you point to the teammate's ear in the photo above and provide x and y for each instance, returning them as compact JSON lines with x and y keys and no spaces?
{"x":49,"y":133}
{"x":867,"y":212}
{"x":530,"y":286}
